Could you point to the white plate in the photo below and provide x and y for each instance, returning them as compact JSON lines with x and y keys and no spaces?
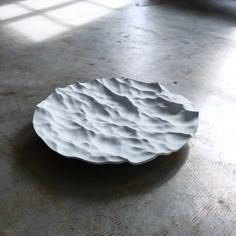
{"x":114,"y":121}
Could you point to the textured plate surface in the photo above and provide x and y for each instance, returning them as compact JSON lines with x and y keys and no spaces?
{"x":115,"y":120}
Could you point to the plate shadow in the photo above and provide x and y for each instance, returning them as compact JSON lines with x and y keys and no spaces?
{"x":66,"y":176}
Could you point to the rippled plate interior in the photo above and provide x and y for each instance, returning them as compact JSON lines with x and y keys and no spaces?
{"x":115,"y":120}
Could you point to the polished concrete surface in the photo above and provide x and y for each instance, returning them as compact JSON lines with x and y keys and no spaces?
{"x":188,"y":46}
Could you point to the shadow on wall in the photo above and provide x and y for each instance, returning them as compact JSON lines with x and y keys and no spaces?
{"x":73,"y":177}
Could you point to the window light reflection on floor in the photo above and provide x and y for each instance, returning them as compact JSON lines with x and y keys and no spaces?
{"x":42,"y":4}
{"x":41,"y":20}
{"x":111,"y":3}
{"x":227,"y":69}
{"x":37,"y":28}
{"x":79,"y":13}
{"x":11,"y":10}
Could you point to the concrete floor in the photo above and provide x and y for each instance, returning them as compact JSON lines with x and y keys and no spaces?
{"x":189,"y":47}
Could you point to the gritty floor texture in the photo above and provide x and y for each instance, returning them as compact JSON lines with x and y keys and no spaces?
{"x":188,"y":46}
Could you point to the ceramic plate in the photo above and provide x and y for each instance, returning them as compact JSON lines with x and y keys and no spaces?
{"x":114,"y":121}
